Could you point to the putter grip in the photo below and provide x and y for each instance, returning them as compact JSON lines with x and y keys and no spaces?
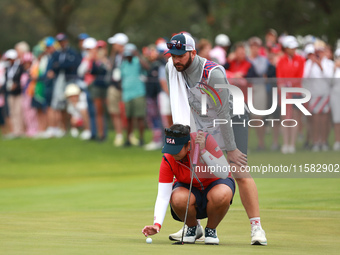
{"x":196,"y":151}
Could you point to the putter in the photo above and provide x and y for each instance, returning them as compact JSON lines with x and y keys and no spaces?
{"x":194,"y":163}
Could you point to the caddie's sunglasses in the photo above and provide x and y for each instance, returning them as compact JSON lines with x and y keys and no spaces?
{"x":175,"y":133}
{"x":178,"y":46}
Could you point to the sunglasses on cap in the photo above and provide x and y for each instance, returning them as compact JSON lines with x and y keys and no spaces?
{"x":175,"y":133}
{"x":178,"y":45}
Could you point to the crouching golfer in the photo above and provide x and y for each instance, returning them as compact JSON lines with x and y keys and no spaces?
{"x":212,"y":191}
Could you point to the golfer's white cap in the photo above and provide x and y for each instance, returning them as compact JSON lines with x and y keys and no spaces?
{"x":290,"y":42}
{"x":222,"y":40}
{"x":72,"y":90}
{"x":11,"y":54}
{"x":89,"y":43}
{"x":119,"y":38}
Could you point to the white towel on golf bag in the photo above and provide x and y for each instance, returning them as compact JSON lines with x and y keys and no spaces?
{"x":180,"y":108}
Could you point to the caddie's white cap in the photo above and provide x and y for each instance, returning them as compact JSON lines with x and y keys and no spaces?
{"x":72,"y":90}
{"x":222,"y":40}
{"x":290,"y":42}
{"x":119,"y":38}
{"x":89,"y":43}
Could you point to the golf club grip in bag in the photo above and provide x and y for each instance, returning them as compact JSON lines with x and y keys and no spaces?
{"x":196,"y":151}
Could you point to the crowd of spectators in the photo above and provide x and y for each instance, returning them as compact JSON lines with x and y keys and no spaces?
{"x":54,"y":88}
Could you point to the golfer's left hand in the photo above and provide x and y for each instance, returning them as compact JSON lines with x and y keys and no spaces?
{"x":150,"y":230}
{"x":237,"y":157}
{"x":200,"y":139}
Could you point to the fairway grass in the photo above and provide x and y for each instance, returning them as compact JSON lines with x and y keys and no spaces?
{"x":71,"y":197}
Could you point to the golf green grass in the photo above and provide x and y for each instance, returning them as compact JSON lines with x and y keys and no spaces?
{"x":65,"y":196}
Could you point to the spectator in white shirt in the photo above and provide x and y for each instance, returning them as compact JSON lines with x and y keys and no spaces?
{"x":318,"y":73}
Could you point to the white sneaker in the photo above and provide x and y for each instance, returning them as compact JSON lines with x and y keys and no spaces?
{"x":39,"y":135}
{"x":336,"y":146}
{"x":178,"y":235}
{"x":316,"y":148}
{"x":49,"y":133}
{"x":119,"y":140}
{"x":258,"y":236}
{"x":211,"y":236}
{"x":291,"y":149}
{"x":133,"y":140}
{"x":74,"y":132}
{"x":59,"y":133}
{"x":285,"y":149}
{"x":153,"y":146}
{"x":85,"y":135}
{"x":9,"y":136}
{"x":190,"y":235}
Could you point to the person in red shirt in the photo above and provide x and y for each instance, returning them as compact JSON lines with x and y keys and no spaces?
{"x":211,"y":195}
{"x":289,"y":71}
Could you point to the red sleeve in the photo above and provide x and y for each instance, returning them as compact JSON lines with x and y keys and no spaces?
{"x":166,"y":174}
{"x":212,"y":146}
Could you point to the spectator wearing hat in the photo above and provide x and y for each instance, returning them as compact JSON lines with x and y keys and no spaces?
{"x":13,"y":74}
{"x":100,"y":66}
{"x":334,"y":100}
{"x":289,"y":71}
{"x":260,"y":66}
{"x":38,"y":76}
{"x":48,"y":79}
{"x":86,"y":79}
{"x":64,"y":65}
{"x":318,"y":73}
{"x":133,"y":92}
{"x":77,"y":108}
{"x":114,"y":91}
{"x":219,"y":52}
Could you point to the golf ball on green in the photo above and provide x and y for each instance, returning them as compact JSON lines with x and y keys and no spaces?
{"x":148,"y":240}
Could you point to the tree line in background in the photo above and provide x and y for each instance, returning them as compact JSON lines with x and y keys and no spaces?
{"x":146,"y":20}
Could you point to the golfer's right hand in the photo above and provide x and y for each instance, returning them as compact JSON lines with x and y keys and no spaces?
{"x":150,"y":230}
